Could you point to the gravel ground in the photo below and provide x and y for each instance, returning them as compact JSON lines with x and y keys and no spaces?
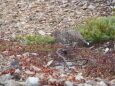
{"x":20,"y":17}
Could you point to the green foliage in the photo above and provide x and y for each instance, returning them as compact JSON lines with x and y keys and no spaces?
{"x":36,"y":39}
{"x":18,"y":37}
{"x":113,"y":9}
{"x":99,"y":29}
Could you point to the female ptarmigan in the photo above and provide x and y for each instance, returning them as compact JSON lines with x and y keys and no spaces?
{"x":69,"y":38}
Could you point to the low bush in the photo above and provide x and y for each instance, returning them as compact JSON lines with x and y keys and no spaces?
{"x":98,"y":29}
{"x":36,"y":39}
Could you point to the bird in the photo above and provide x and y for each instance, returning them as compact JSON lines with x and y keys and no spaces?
{"x":69,"y":38}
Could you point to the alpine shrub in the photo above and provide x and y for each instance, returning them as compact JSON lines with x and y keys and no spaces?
{"x":37,"y":39}
{"x":98,"y":29}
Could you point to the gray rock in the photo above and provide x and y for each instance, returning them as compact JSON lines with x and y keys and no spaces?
{"x":113,"y":1}
{"x":69,"y":38}
{"x":11,"y":83}
{"x":91,"y":6}
{"x":84,"y":84}
{"x":29,"y":16}
{"x":32,"y":81}
{"x":29,"y":72}
{"x":102,"y":83}
{"x":4,"y":78}
{"x":85,"y":5}
{"x":91,"y":82}
{"x":112,"y":85}
{"x":15,"y":83}
{"x":13,"y":64}
{"x":68,"y":83}
{"x":112,"y":82}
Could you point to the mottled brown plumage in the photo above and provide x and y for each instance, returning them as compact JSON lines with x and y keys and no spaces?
{"x":69,"y":38}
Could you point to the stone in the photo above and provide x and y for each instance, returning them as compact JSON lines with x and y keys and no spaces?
{"x":50,"y":62}
{"x":68,"y":83}
{"x":101,"y":83}
{"x":112,"y":85}
{"x":14,"y":64}
{"x":5,"y":52}
{"x":16,"y":76}
{"x":32,"y":81}
{"x":17,"y":71}
{"x":11,"y":83}
{"x":15,"y":83}
{"x":41,"y":32}
{"x":69,"y":38}
{"x":30,"y":16}
{"x":113,"y":1}
{"x":91,"y":6}
{"x":29,"y":72}
{"x":52,"y":80}
{"x":85,"y":5}
{"x":79,"y":76}
{"x":112,"y":82}
{"x":91,"y":82}
{"x":35,"y":68}
{"x":5,"y":78}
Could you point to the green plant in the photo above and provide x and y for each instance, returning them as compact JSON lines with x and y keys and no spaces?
{"x":98,"y":29}
{"x":113,"y":9}
{"x":38,"y":39}
{"x":18,"y":37}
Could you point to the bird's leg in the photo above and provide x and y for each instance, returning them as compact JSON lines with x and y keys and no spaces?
{"x":61,"y":56}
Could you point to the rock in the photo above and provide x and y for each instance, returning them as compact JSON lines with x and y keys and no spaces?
{"x":41,"y":32}
{"x":16,"y":76}
{"x":69,"y":63}
{"x":29,"y":72}
{"x":112,"y":82}
{"x":91,"y":82}
{"x":101,"y":83}
{"x":35,"y":68}
{"x":85,"y":5}
{"x":81,"y":84}
{"x":5,"y":52}
{"x":69,"y":38}
{"x":26,"y":54}
{"x":112,"y":85}
{"x":52,"y":80}
{"x":113,"y":1}
{"x":59,"y":67}
{"x":15,"y":83}
{"x":91,"y":6}
{"x":50,"y":62}
{"x":79,"y":76}
{"x":14,"y":64}
{"x":32,"y":81}
{"x":68,"y":83}
{"x":11,"y":83}
{"x":5,"y":78}
{"x":30,"y":16}
{"x":17,"y":71}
